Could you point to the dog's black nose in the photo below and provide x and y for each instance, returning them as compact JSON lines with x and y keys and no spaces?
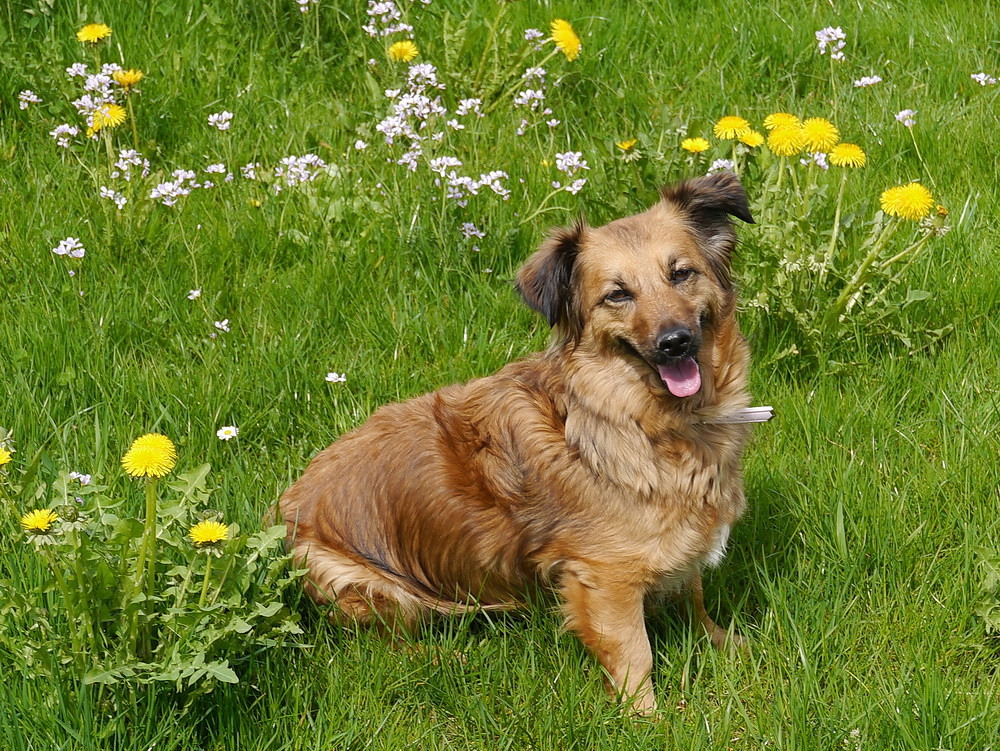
{"x":674,"y":342}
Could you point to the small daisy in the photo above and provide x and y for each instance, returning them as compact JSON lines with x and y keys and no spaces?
{"x":227,"y":432}
{"x":336,"y":377}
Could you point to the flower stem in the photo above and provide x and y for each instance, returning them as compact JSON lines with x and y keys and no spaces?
{"x":848,"y":295}
{"x":828,"y":260}
{"x":150,"y":536}
{"x":131,"y":116}
{"x":206,"y":580}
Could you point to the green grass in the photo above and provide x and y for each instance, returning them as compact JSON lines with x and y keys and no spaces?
{"x":854,"y":570}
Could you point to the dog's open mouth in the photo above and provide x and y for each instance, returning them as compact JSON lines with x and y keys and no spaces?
{"x":682,"y":377}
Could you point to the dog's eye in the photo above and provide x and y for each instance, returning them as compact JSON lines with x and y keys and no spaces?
{"x":618,"y":295}
{"x":681,"y":275}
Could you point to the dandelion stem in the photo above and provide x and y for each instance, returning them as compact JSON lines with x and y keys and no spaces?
{"x":848,"y":296}
{"x":205,"y":581}
{"x":903,"y":253}
{"x":150,"y":534}
{"x":828,"y":260}
{"x":131,"y":117}
{"x":67,"y":596}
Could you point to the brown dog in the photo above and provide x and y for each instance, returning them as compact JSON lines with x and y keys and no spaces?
{"x":589,"y":467}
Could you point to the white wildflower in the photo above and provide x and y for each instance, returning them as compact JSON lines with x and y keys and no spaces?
{"x":465,"y":106}
{"x":71,"y":247}
{"x":983,"y":80}
{"x":907,"y":117}
{"x":221,"y":120}
{"x":469,"y":230}
{"x":867,"y":81}
{"x":113,"y":195}
{"x":62,"y":134}
{"x":336,"y":377}
{"x":834,"y":39}
{"x":194,"y":294}
{"x":223,"y":325}
{"x":722,"y":164}
{"x":360,"y":145}
{"x":28,"y":97}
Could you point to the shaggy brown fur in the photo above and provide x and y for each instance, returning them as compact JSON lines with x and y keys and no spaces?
{"x":578,"y":467}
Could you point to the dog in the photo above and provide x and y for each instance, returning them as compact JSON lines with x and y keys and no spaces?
{"x":592,"y":468}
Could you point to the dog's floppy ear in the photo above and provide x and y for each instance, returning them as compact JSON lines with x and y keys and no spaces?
{"x":709,"y":201}
{"x":545,"y":279}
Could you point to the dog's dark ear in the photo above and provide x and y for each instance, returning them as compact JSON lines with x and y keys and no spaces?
{"x":709,"y":201}
{"x":544,"y":280}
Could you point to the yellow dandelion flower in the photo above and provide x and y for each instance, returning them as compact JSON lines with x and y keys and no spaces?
{"x":5,"y":456}
{"x":695,"y":145}
{"x":848,"y":155}
{"x":626,"y":145}
{"x":730,"y":127}
{"x":753,"y":139}
{"x":108,"y":116}
{"x":912,"y":201}
{"x":403,"y":52}
{"x":566,"y":39}
{"x":208,"y":532}
{"x":127,"y":78}
{"x":772,"y":121}
{"x":151,"y":455}
{"x":819,"y":134}
{"x":941,"y":211}
{"x":93,"y":33}
{"x":39,"y":521}
{"x":786,"y":140}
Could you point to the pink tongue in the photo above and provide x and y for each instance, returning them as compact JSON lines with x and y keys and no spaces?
{"x":682,"y":377}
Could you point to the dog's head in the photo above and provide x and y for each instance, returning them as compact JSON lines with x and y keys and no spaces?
{"x":650,"y":286}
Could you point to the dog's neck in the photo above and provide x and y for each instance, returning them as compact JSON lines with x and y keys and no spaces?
{"x":612,"y":398}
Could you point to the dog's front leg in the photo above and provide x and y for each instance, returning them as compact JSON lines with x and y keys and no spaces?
{"x":607,"y":614}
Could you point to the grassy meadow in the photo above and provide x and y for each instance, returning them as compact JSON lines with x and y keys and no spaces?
{"x":873,"y":495}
